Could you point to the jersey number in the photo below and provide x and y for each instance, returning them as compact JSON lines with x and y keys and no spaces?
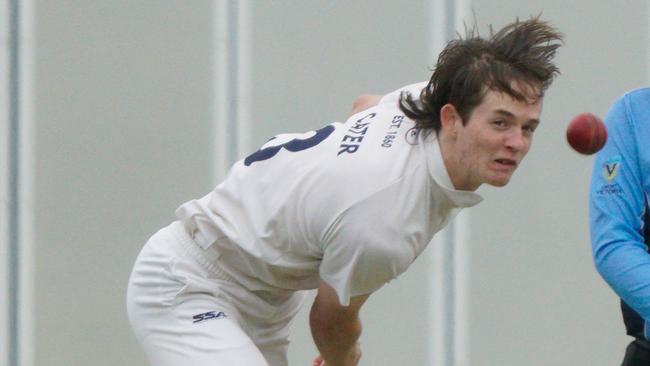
{"x":294,"y":145}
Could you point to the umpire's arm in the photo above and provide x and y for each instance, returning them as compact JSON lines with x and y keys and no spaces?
{"x":336,"y":328}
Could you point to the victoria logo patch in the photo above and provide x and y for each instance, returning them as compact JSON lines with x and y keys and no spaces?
{"x":611,"y":168}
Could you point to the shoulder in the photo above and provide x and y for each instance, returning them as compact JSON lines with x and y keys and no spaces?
{"x":636,"y":94}
{"x":384,"y":211}
{"x":631,"y":110}
{"x":635,"y":101}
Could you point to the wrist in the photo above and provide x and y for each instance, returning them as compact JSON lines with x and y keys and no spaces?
{"x":350,"y":357}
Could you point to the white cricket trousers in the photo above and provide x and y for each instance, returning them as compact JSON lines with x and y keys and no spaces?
{"x":185,"y":311}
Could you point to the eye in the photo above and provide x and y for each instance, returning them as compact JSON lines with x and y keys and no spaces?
{"x":499,"y":123}
{"x":529,"y":128}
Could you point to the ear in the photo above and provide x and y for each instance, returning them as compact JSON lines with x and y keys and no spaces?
{"x":449,"y":119}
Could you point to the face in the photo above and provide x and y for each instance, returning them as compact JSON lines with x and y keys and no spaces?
{"x":489,"y":147}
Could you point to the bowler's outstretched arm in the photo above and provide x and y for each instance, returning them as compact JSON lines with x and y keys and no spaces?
{"x":336,"y":329}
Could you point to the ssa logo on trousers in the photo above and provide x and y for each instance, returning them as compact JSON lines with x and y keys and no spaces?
{"x":209,"y":315}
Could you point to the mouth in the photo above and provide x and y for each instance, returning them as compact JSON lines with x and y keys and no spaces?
{"x":506,"y":163}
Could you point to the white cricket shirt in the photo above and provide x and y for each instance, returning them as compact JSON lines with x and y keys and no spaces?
{"x":352,"y":204}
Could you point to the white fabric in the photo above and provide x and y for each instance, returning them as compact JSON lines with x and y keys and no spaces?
{"x":185,"y":311}
{"x":354,"y":210}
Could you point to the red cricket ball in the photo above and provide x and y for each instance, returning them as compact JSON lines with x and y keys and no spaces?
{"x":586,"y":133}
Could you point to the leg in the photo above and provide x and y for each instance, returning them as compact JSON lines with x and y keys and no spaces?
{"x":270,"y":326}
{"x":174,"y":339}
{"x":180,"y":317}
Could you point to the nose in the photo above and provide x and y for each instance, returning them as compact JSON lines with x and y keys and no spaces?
{"x":517,"y":141}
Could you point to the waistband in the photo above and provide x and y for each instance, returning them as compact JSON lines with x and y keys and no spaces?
{"x":208,"y":257}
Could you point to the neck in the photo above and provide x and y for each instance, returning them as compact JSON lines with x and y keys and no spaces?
{"x":455,"y":166}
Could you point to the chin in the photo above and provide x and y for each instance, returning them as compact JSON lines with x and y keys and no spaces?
{"x":498,"y":182}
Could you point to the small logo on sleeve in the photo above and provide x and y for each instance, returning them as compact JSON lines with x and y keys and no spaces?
{"x":611,"y":168}
{"x":209,"y":315}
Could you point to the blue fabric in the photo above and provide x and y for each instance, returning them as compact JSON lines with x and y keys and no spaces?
{"x":620,"y":184}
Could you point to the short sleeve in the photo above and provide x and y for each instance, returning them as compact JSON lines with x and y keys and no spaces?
{"x":363,"y":252}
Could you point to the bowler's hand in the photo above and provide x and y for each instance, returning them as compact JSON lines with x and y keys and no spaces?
{"x":364,"y":102}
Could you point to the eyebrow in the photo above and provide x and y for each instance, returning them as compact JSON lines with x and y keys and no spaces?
{"x":511,"y":115}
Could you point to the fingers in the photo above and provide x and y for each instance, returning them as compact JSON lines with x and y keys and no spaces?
{"x":364,"y":102}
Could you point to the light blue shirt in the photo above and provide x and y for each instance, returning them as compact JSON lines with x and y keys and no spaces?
{"x":620,"y":184}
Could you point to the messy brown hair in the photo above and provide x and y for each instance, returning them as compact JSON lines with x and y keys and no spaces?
{"x":516,"y":60}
